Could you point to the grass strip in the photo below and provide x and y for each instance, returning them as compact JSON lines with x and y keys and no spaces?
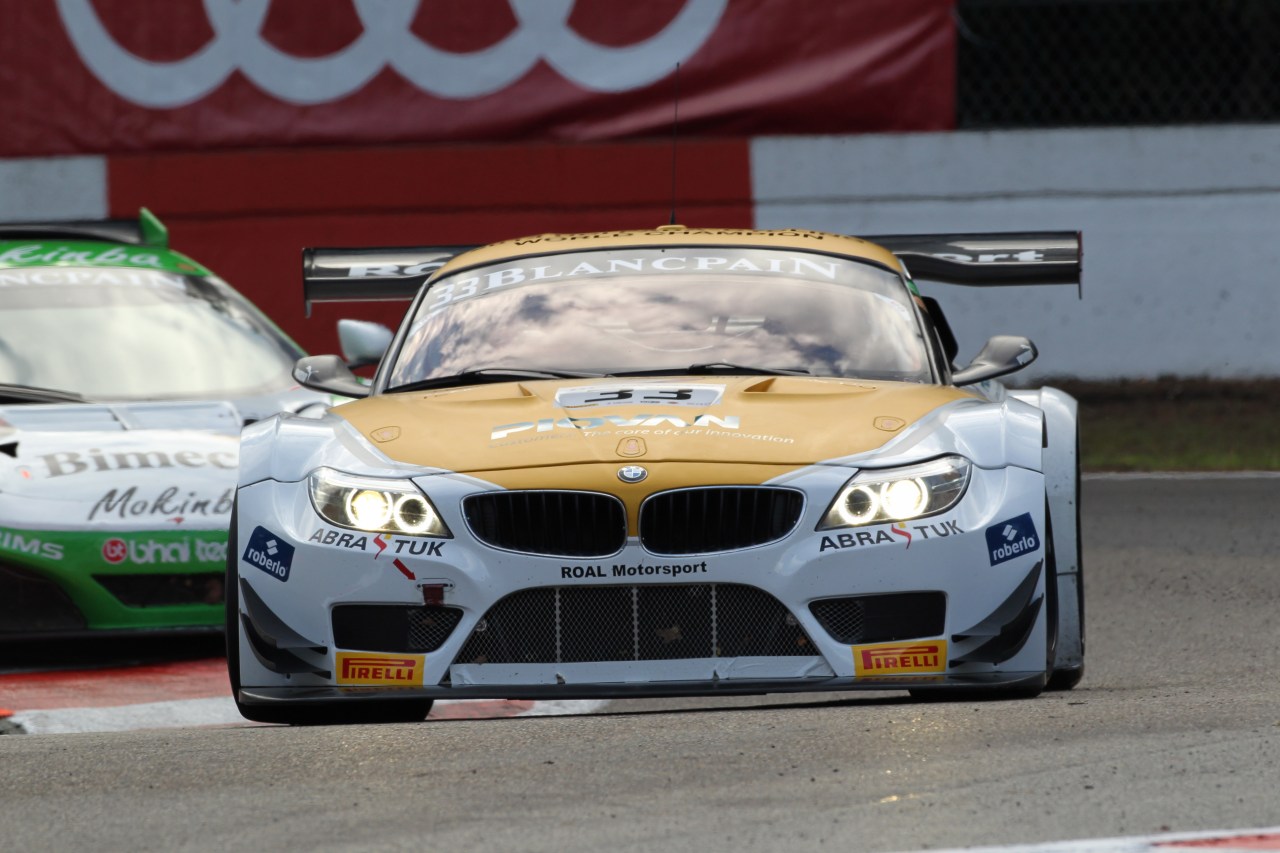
{"x":1178,"y":424}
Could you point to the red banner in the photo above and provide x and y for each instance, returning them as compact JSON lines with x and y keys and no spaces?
{"x":114,"y":76}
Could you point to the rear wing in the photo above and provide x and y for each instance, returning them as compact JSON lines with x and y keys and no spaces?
{"x":1007,"y":258}
{"x":986,"y":260}
{"x":146,"y":230}
{"x":370,"y":275}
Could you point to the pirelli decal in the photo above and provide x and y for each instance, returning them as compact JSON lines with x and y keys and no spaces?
{"x":900,"y":658}
{"x":370,"y":670}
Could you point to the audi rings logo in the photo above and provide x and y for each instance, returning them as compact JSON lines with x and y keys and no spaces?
{"x":386,"y":40}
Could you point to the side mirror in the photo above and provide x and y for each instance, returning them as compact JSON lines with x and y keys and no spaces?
{"x":328,"y":373}
{"x":1000,"y":355}
{"x":363,"y":342}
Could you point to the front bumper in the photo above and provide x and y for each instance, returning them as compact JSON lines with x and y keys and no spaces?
{"x":989,"y":629}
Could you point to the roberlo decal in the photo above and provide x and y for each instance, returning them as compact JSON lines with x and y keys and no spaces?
{"x":270,"y":553}
{"x":1012,"y":538}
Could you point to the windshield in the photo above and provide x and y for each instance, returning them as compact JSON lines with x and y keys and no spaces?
{"x":132,"y":334}
{"x":635,"y":310}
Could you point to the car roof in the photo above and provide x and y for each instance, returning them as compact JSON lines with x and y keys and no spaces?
{"x":141,"y":243}
{"x":675,"y":235}
{"x":42,"y":251}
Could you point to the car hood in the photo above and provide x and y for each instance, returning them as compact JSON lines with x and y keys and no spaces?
{"x":134,"y":466}
{"x":780,"y":421}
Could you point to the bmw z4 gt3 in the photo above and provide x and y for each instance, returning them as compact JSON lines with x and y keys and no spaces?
{"x":659,"y":463}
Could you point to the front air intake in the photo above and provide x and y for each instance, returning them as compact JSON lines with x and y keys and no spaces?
{"x":723,"y":518}
{"x":635,"y":623}
{"x":549,"y":523}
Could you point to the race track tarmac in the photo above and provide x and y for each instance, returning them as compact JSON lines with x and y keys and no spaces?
{"x":1175,"y":729}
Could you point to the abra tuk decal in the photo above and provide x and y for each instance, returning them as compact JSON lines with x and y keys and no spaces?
{"x":1012,"y":538}
{"x":900,"y":658}
{"x":897,"y":534}
{"x":353,"y":541}
{"x":270,"y":553}
{"x":367,"y":670}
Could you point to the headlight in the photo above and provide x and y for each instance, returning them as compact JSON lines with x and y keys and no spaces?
{"x":899,"y":494}
{"x":374,"y":505}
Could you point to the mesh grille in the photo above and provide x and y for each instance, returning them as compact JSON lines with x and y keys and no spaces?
{"x":627,"y":623}
{"x":702,"y":521}
{"x":393,"y":627}
{"x":164,"y":590}
{"x":560,"y":524}
{"x":882,"y":618}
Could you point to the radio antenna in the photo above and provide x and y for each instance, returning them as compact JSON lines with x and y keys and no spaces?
{"x":675,"y":128}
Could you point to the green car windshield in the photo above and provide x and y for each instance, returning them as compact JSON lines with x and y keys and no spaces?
{"x":663,"y":310}
{"x":114,"y":333}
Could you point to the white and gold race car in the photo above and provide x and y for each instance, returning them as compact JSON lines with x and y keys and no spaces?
{"x":670,"y":462}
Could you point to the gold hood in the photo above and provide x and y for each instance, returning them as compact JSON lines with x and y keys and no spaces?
{"x":742,"y":420}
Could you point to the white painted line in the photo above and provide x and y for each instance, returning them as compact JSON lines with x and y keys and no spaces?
{"x":182,"y":713}
{"x":563,"y":707}
{"x":191,"y":713}
{"x":1170,"y":843}
{"x":1182,"y":475}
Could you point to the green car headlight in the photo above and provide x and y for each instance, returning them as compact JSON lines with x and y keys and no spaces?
{"x":899,"y":494}
{"x":374,"y":505}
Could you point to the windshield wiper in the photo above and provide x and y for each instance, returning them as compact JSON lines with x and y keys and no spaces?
{"x":719,"y":367}
{"x":12,"y":393}
{"x":482,"y":375}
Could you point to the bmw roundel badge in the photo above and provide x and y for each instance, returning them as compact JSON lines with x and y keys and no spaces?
{"x":632,"y":473}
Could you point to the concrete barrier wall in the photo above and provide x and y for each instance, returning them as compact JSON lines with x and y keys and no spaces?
{"x":1181,"y":234}
{"x":54,"y":189}
{"x":1181,"y":225}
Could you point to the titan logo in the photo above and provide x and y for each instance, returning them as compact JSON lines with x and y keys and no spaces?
{"x":899,"y":658}
{"x":669,"y":421}
{"x":358,"y":668}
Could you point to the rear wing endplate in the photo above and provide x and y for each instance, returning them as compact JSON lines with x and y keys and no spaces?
{"x":370,"y":275}
{"x":983,"y":260}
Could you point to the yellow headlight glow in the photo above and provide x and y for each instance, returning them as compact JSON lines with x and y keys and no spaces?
{"x":414,"y":514}
{"x":374,"y":504}
{"x":904,"y":498}
{"x":880,"y":496}
{"x":369,"y":510}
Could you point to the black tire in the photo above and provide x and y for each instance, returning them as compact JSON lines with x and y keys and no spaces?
{"x":1065,"y":678}
{"x":298,"y":714}
{"x":231,"y":602}
{"x":984,"y":694}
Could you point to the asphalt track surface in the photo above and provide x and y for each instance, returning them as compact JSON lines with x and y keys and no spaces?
{"x":1175,"y":728}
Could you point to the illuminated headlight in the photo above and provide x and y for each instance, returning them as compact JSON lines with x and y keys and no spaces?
{"x":899,"y":494}
{"x":374,"y":505}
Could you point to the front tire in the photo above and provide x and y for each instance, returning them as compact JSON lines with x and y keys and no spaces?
{"x":1065,"y":678}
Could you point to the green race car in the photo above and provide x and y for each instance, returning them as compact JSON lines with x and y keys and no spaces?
{"x":126,"y":373}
